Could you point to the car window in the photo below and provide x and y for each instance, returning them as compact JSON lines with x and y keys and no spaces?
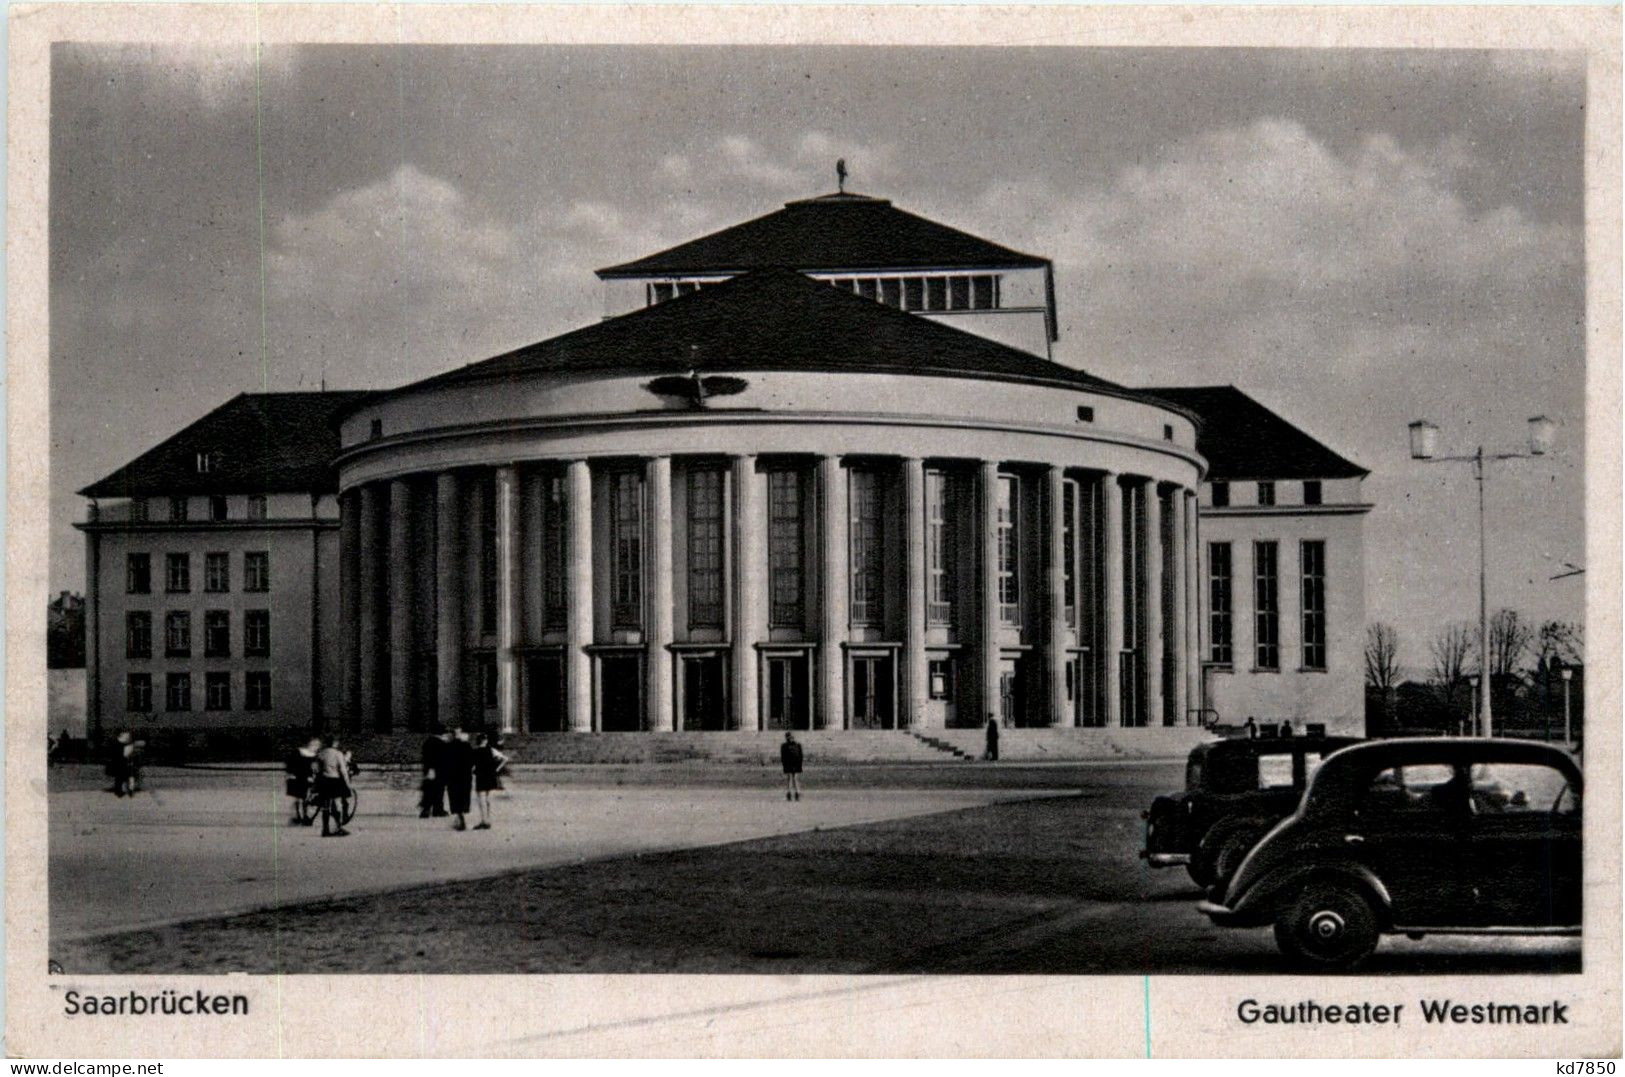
{"x":1193,"y":773}
{"x":1275,"y":771}
{"x":1506,"y":788}
{"x":1429,"y":788}
{"x":1311,"y":763}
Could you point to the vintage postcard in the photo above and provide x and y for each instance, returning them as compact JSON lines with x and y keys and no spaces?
{"x":805,"y":530}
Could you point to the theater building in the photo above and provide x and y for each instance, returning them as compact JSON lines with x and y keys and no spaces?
{"x":819,"y":471}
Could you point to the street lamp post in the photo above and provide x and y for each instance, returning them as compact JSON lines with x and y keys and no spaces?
{"x":1424,"y":446}
{"x":1568,"y":677}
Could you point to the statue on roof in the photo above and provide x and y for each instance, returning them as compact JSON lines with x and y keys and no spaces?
{"x":840,"y":175}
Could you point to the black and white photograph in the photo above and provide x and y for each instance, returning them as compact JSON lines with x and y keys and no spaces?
{"x":1012,"y":508}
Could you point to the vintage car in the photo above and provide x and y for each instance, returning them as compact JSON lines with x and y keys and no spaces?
{"x":1235,"y":790}
{"x":1417,"y":837}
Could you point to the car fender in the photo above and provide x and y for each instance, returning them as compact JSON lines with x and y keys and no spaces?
{"x":1222,"y":831}
{"x":1265,"y":896}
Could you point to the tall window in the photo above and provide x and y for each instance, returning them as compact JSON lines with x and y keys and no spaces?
{"x":257,"y":690}
{"x":705,"y":549}
{"x":216,"y":572}
{"x":138,"y":692}
{"x":138,"y":510}
{"x":1311,"y":492}
{"x":1220,"y":604}
{"x":217,"y":691}
{"x":217,"y":633}
{"x":177,"y":634}
{"x":785,"y":523}
{"x":1314,"y":604}
{"x":1266,"y":493}
{"x":257,"y":633}
{"x":177,"y":509}
{"x":257,"y":570}
{"x":488,"y":554}
{"x":939,"y":550}
{"x":555,"y":543}
{"x":626,"y":549}
{"x":138,"y":574}
{"x":178,"y":692}
{"x":1266,"y":606}
{"x":217,"y":508}
{"x":177,"y":573}
{"x":868,"y":578}
{"x":1220,"y":492}
{"x":256,"y":506}
{"x":1009,"y":550}
{"x":138,"y":634}
{"x":1069,"y":549}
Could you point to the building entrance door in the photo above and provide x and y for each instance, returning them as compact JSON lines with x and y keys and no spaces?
{"x":544,"y":695}
{"x":788,"y":692}
{"x":705,"y":703}
{"x":1010,"y":712}
{"x":620,"y":693}
{"x":874,"y":692}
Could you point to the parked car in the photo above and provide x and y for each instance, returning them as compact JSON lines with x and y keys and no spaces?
{"x":1235,"y":790}
{"x":1417,"y":837}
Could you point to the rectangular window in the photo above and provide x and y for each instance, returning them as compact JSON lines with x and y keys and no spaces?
{"x":1266,"y":493}
{"x":217,"y":508}
{"x":488,"y":682}
{"x":785,"y":555}
{"x":936,"y":293}
{"x":1221,"y":495}
{"x":939,"y":550}
{"x":1313,"y":553}
{"x":216,"y":634}
{"x":257,"y":633}
{"x":659,"y":293}
{"x":138,"y":692}
{"x":1069,"y":550}
{"x":177,"y":509}
{"x":217,"y":572}
{"x":866,"y":288}
{"x":939,"y":673}
{"x":177,"y":634}
{"x":138,"y":574}
{"x":178,"y":692}
{"x":984,"y":292}
{"x":866,"y":569}
{"x":177,"y":573}
{"x":256,"y":571}
{"x":1220,"y":604}
{"x":959,"y":293}
{"x":705,"y":549}
{"x":488,"y":554}
{"x":626,"y":549}
{"x":913,"y":293}
{"x":257,"y":690}
{"x":217,"y":691}
{"x":138,"y":510}
{"x":1009,"y":550}
{"x":891,"y":291}
{"x":1266,"y":606}
{"x":256,"y":507}
{"x":377,"y":428}
{"x":555,"y":548}
{"x":138,"y":634}
{"x":1311,"y":491}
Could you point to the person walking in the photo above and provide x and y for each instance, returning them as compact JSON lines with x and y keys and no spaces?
{"x":332,"y":787}
{"x":433,"y":800}
{"x":458,"y":759}
{"x":489,"y":762}
{"x":118,"y":763}
{"x":790,"y":758}
{"x":992,"y":754}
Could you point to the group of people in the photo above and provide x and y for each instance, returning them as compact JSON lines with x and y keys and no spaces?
{"x":454,"y":767}
{"x":124,"y":764}
{"x":319,"y":764}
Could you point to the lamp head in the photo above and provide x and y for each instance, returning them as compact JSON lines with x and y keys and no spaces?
{"x":1542,"y":433}
{"x":1567,"y":674}
{"x":1424,"y":440}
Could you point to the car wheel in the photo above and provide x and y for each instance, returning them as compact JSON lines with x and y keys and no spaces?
{"x":1329,"y":927}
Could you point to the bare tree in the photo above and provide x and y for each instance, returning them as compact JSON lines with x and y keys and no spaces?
{"x":1559,"y":643}
{"x":1510,"y":639}
{"x":1451,"y":649}
{"x":1381,"y":656}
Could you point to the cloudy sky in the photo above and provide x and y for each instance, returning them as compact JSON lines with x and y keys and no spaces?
{"x":1357,"y":238}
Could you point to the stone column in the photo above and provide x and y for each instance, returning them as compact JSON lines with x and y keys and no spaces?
{"x":507,"y":512}
{"x":988,"y":638}
{"x":1178,"y":638}
{"x":1153,"y":606}
{"x":448,"y":600}
{"x":578,"y":613}
{"x":93,"y":630}
{"x":1060,"y":709}
{"x":1193,"y":617}
{"x":750,"y":569}
{"x":1111,"y":600}
{"x":369,"y":641}
{"x":832,"y":583}
{"x":349,"y":607}
{"x":400,"y":605}
{"x":915,"y":685}
{"x":657,"y":665}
